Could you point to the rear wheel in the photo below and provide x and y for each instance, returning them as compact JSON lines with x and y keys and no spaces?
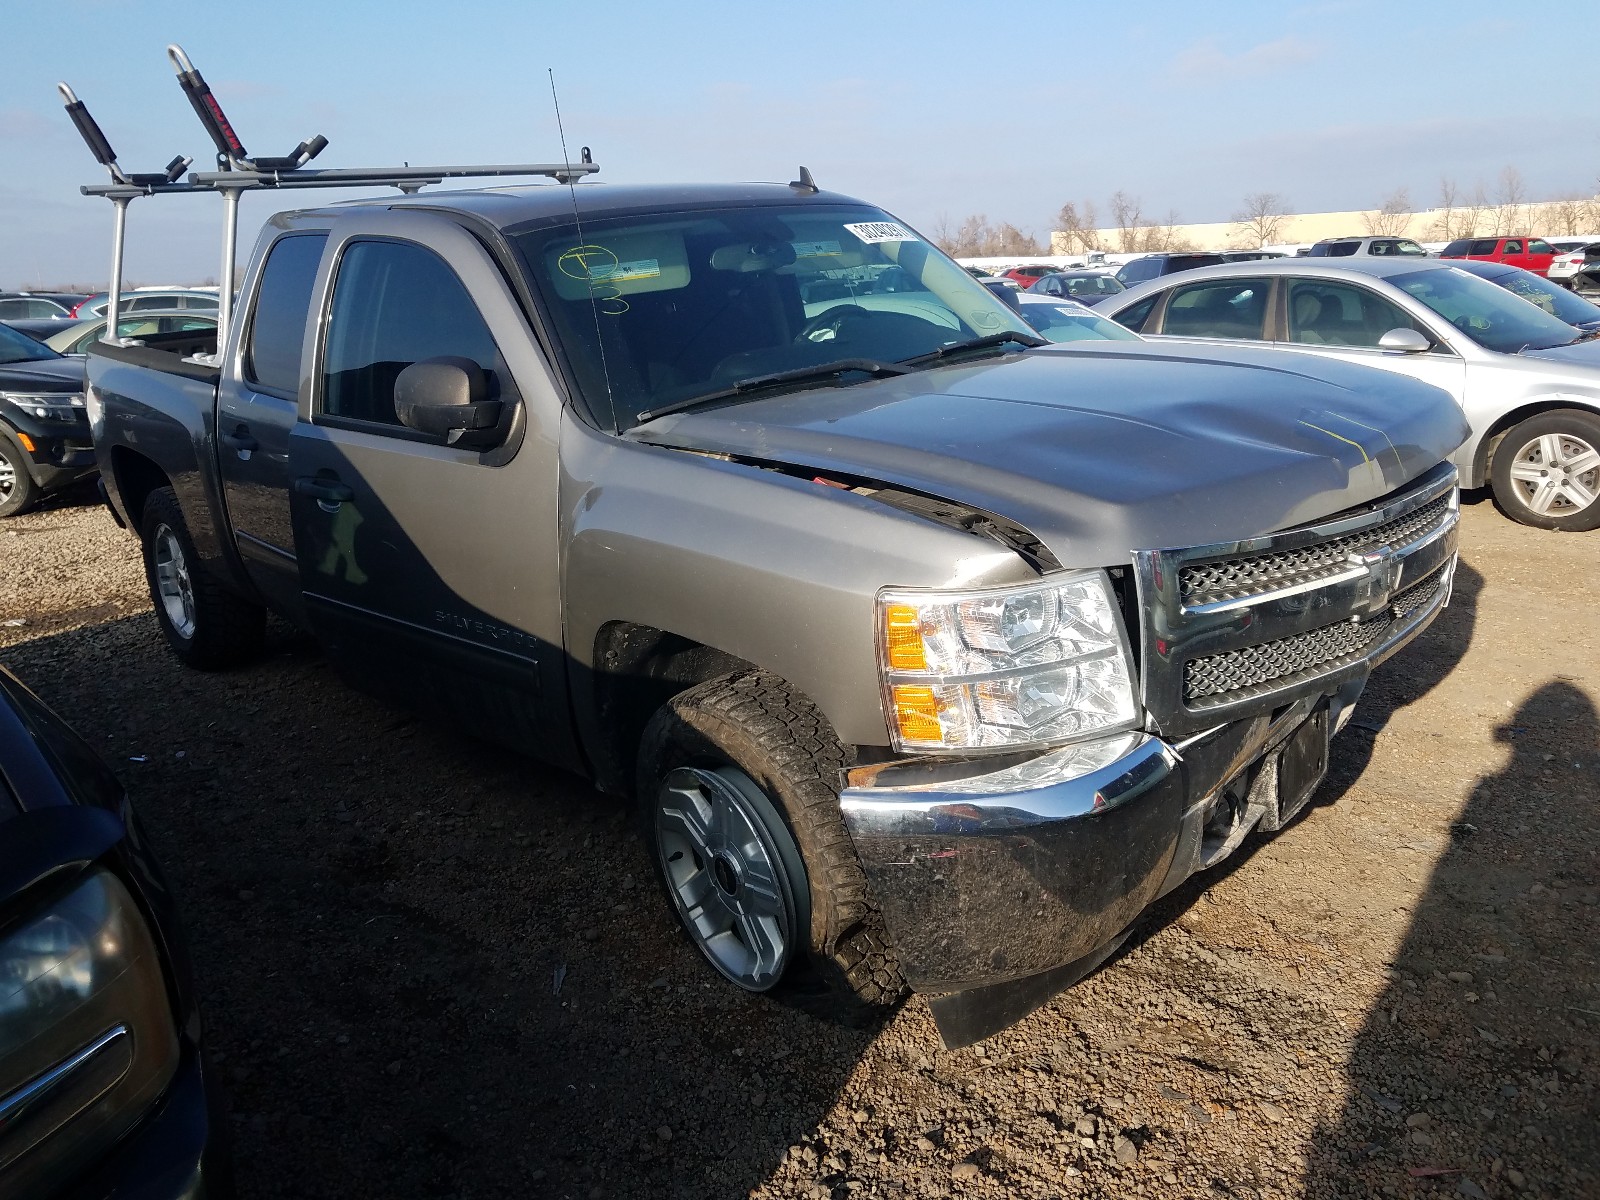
{"x":740,"y":812}
{"x":1546,"y":471}
{"x":18,"y":491}
{"x":208,"y":626}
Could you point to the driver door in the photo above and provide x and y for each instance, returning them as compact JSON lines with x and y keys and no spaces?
{"x":430,"y":571}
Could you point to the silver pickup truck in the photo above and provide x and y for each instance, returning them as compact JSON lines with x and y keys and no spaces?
{"x":932,"y":654}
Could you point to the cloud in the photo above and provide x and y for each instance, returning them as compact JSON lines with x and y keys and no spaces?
{"x":1207,"y":59}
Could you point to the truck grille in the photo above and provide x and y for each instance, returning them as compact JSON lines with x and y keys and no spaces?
{"x":1241,"y":628}
{"x":1208,"y":583}
{"x":1294,"y":659}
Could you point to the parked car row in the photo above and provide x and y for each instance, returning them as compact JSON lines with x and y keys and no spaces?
{"x":70,"y":306}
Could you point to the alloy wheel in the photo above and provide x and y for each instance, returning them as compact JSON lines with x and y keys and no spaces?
{"x":173,"y":583}
{"x":725,"y":873}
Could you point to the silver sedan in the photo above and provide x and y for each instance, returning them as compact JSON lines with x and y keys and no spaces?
{"x":1528,"y":383}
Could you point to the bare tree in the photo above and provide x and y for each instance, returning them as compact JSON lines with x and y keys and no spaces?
{"x":1079,"y":227}
{"x":1263,"y":219}
{"x":1161,"y":235}
{"x":943,"y":236}
{"x":1562,"y":216}
{"x":1510,"y":206}
{"x":1008,"y":239}
{"x":1392,"y":218}
{"x":1127,"y":213}
{"x":1460,"y":215}
{"x":976,"y":238}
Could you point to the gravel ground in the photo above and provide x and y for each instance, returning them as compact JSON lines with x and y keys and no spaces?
{"x":432,"y":969}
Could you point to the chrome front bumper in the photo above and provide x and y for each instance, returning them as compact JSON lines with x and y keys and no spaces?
{"x":994,"y":876}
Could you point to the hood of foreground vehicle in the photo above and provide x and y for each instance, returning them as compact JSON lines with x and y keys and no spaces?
{"x":43,"y":375}
{"x":1105,"y":448}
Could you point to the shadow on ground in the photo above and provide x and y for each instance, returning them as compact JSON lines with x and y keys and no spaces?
{"x":430,"y":968}
{"x":1476,"y":1073}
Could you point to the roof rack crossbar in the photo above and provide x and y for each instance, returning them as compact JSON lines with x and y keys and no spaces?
{"x":381,"y":176}
{"x":238,"y":172}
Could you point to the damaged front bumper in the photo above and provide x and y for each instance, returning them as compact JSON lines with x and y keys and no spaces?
{"x":1000,"y":889}
{"x":1002,"y":881}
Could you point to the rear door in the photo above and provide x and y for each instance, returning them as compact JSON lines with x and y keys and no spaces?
{"x":257,"y":406}
{"x":1232,"y":309}
{"x":430,"y":571}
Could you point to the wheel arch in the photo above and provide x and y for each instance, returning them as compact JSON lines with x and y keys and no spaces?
{"x":635,"y":669}
{"x":1495,"y":434}
{"x":135,"y":476}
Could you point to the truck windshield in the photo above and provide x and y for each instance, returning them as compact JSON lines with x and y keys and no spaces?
{"x":655,"y":311}
{"x":16,"y":347}
{"x":1489,"y":315}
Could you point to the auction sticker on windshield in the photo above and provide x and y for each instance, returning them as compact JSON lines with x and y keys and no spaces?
{"x":881,"y":231}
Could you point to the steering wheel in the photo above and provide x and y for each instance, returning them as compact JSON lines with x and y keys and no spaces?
{"x":833,"y":320}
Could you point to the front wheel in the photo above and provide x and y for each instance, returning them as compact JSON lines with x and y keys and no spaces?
{"x":207,"y":625}
{"x":740,"y":813}
{"x":18,"y":491}
{"x":1546,"y":471}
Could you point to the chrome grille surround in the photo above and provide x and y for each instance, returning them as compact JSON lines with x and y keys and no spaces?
{"x":1241,"y":628}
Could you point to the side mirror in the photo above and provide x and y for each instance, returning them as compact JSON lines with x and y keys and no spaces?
{"x":446,"y":397}
{"x":1407,"y":341}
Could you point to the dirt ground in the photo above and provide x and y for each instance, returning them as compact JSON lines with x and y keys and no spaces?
{"x":431,"y":969}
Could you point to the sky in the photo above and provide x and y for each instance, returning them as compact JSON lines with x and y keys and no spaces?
{"x":933,"y":110}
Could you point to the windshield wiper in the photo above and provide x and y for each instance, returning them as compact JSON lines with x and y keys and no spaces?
{"x":844,"y":366}
{"x":993,"y":339}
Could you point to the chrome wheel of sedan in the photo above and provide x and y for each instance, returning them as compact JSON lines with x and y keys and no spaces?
{"x":1546,"y":470}
{"x":172,"y":579}
{"x":728,"y":862}
{"x":1557,"y":474}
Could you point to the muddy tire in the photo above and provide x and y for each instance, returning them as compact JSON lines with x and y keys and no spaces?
{"x":739,"y":807}
{"x":18,"y":491}
{"x":208,"y":626}
{"x":1546,"y":471}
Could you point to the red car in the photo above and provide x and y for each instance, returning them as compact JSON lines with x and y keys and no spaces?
{"x":1529,"y":253}
{"x":1028,"y":276}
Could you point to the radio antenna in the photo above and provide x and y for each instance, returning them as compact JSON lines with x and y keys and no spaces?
{"x":582,"y":257}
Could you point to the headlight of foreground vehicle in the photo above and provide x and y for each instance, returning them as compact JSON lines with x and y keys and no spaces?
{"x":48,"y":406}
{"x":87,"y":1044}
{"x":1005,"y":667}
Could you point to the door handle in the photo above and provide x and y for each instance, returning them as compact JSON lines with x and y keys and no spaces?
{"x":324,"y":490}
{"x":241,"y":441}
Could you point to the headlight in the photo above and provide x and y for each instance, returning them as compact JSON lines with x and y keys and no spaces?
{"x":1017,"y":666}
{"x":87,"y":1043}
{"x":48,"y":406}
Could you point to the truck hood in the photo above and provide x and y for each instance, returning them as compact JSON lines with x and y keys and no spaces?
{"x":1105,"y":448}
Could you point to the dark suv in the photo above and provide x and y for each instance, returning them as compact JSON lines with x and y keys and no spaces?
{"x":1152,"y":266}
{"x":44,"y":426}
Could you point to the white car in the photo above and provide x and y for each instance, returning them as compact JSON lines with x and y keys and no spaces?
{"x":1528,"y":383}
{"x":1568,"y":263}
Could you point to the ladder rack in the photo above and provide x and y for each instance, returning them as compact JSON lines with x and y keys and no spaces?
{"x":238,"y":172}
